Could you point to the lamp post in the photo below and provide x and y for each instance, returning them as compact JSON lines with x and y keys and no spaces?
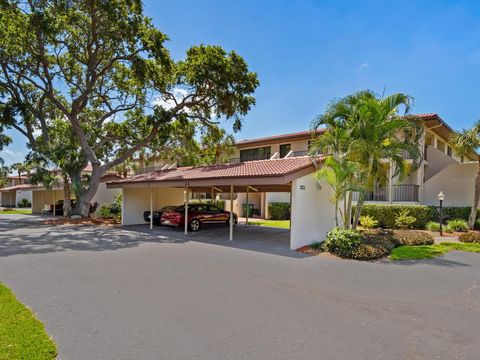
{"x":441,"y":197}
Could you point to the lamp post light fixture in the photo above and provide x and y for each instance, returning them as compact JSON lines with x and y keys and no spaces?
{"x":441,"y":197}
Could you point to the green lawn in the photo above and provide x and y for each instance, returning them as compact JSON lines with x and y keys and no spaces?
{"x":431,"y":251}
{"x":18,"y":211}
{"x":284,"y":224}
{"x":22,"y":335}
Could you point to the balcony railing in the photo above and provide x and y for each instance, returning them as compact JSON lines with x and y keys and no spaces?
{"x":299,"y":153}
{"x":402,"y":192}
{"x":379,"y":194}
{"x":405,"y":192}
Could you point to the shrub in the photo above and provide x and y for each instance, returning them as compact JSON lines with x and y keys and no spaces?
{"x":279,"y":210}
{"x":385,"y":214}
{"x":456,"y":213}
{"x":457,"y":225}
{"x":404,"y":220}
{"x":342,"y":242}
{"x":375,"y":244}
{"x":368,"y":222}
{"x":470,"y":237}
{"x":112,"y":211}
{"x":412,"y":237}
{"x":24,"y":203}
{"x":105,"y":211}
{"x":432,"y":226}
{"x":477,"y":224}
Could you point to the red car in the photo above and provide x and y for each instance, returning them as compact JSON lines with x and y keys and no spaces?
{"x":197,"y":215}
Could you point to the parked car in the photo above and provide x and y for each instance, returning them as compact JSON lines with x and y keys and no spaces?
{"x":157,"y":214}
{"x":197,"y":215}
{"x":59,"y":207}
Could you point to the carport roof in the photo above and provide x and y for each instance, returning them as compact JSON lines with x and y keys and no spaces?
{"x":277,"y":171}
{"x":16,"y":187}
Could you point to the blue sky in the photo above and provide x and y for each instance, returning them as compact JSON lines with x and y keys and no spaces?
{"x":309,"y":52}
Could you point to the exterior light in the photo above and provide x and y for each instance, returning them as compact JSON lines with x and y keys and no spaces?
{"x":441,"y":197}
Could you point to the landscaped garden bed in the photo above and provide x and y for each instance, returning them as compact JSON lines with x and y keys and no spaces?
{"x":403,"y":243}
{"x":83,"y":221}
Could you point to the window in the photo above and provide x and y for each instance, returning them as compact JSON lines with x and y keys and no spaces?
{"x":261,"y":153}
{"x":285,"y":149}
{"x":449,"y":151}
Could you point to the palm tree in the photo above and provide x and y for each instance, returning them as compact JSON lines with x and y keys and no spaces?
{"x":466,"y":143}
{"x":378,"y":133}
{"x":362,"y":131}
{"x":336,"y":169}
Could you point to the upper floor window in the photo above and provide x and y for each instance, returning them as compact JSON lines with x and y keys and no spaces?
{"x":285,"y":149}
{"x":260,"y":153}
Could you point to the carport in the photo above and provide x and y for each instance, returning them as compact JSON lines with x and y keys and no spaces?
{"x":311,"y":211}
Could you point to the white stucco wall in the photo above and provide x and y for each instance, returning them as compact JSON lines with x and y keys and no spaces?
{"x":136,"y":200}
{"x":105,"y":196}
{"x":313,"y":214}
{"x":457,"y":183}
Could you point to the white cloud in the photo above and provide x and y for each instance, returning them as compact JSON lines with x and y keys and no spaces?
{"x":363,"y":66}
{"x":166,"y":102}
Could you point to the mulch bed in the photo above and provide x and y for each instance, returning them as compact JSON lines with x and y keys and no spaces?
{"x":86,"y":221}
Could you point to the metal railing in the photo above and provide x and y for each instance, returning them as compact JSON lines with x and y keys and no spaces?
{"x":299,"y":153}
{"x":405,"y":192}
{"x":402,"y":192}
{"x":379,"y":194}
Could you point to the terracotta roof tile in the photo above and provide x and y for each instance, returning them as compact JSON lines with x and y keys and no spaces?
{"x":260,"y":168}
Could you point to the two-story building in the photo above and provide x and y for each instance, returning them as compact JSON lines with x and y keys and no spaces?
{"x":440,"y":170}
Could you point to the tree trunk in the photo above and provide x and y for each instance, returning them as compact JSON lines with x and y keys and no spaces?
{"x":348,"y":215}
{"x":476,"y":197}
{"x":358,"y":209}
{"x":336,"y":212}
{"x":67,"y":194}
{"x":84,"y":197}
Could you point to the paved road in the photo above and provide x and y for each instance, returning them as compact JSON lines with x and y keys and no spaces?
{"x":107,"y":293}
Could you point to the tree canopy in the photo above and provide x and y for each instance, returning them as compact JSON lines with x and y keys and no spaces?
{"x":103,"y":68}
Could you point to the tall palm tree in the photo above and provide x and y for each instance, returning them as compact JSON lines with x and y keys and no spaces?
{"x":378,"y":132}
{"x":364,"y":130}
{"x":466,"y":143}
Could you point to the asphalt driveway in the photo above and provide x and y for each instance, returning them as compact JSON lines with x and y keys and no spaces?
{"x":110,"y":293}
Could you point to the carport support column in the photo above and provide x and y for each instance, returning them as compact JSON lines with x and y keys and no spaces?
{"x":231,"y":213}
{"x":151,"y":208}
{"x":246,"y":215}
{"x":186,"y":208}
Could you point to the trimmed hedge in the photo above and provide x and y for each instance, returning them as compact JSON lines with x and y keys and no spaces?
{"x":279,"y":210}
{"x":386,"y":214}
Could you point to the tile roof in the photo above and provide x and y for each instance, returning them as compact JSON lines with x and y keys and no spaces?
{"x":16,"y":187}
{"x":260,"y":168}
